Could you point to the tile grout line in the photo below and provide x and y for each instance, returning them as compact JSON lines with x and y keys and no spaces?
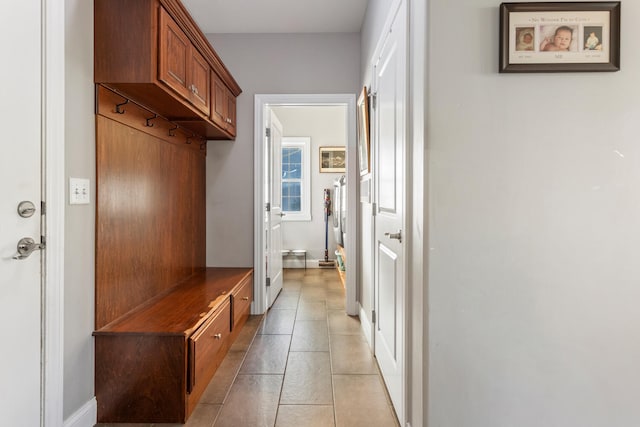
{"x":284,"y":374}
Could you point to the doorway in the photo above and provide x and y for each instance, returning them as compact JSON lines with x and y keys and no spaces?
{"x":262,"y":239}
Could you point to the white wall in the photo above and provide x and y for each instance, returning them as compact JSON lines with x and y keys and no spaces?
{"x":79,"y":219}
{"x":326,"y":126}
{"x":264,"y":64}
{"x":534,"y":207}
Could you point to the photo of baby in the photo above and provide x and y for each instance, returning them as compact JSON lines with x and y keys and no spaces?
{"x":562,"y":38}
{"x":524,"y":38}
{"x":592,"y":38}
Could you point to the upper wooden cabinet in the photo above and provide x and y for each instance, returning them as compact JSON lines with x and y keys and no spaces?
{"x":153,"y":52}
{"x":223,"y":105}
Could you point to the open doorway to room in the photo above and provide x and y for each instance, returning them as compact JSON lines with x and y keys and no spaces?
{"x":292,"y":170}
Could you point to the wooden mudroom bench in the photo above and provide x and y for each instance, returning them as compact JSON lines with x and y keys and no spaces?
{"x":153,"y":364}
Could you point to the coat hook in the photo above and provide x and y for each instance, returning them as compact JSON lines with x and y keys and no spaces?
{"x":190,"y":137}
{"x":118,"y":110}
{"x":155,"y":116}
{"x":171,"y":131}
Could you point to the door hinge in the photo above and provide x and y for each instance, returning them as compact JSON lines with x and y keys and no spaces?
{"x":267,"y":207}
{"x":374,"y":100}
{"x":374,"y":207}
{"x":268,"y":281}
{"x":267,"y":132}
{"x":373,"y":316}
{"x":43,"y":208}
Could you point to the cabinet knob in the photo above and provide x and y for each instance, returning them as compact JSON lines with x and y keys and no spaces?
{"x":245,"y":298}
{"x":217,"y":336}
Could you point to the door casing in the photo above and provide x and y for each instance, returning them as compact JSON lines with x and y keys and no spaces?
{"x":259,"y":304}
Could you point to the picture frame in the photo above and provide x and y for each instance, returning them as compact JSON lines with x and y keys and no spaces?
{"x":364,"y":141}
{"x":559,"y":37}
{"x":333,"y":159}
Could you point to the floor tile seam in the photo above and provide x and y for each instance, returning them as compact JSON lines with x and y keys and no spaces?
{"x":286,"y":363}
{"x":244,"y":357}
{"x":305,"y":404}
{"x":262,"y":374}
{"x":386,"y":391}
{"x":276,"y":334}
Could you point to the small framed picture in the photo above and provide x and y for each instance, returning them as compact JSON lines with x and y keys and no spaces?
{"x":559,"y":37}
{"x":332,"y":159}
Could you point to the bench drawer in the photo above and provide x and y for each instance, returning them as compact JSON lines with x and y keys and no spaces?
{"x":242,"y":296}
{"x":205,"y":344}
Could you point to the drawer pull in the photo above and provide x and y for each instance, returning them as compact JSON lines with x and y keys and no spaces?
{"x":245,"y":298}
{"x":217,"y":336}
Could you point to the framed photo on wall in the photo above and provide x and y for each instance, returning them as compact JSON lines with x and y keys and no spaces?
{"x":559,"y":37}
{"x":364,"y":145}
{"x":333,"y":159}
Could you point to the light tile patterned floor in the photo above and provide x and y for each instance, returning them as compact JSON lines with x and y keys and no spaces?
{"x":306,"y":364}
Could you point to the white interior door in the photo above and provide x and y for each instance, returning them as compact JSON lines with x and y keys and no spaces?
{"x":274,"y":214}
{"x":389,"y":240}
{"x":20,"y":180}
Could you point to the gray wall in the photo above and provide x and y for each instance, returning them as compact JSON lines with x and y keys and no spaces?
{"x":534,"y":233}
{"x":79,"y":219}
{"x":326,"y":126}
{"x":264,"y":64}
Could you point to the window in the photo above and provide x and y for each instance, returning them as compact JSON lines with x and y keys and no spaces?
{"x":296,"y":179}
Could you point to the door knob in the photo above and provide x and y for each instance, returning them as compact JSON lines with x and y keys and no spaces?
{"x":397,"y":235}
{"x":26,"y":246}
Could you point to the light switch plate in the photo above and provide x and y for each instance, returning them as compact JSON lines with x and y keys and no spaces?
{"x":79,"y":191}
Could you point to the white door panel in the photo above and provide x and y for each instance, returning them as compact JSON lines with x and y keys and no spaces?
{"x":388,"y":319}
{"x":274,"y":216}
{"x":20,"y":179}
{"x":389,"y":182}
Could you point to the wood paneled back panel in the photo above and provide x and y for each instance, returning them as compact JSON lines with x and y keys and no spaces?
{"x":150,"y":220}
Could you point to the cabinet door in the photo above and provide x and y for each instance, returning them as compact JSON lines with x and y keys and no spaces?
{"x":231,"y":113}
{"x":218,"y":101}
{"x":199,"y":81}
{"x":174,"y":55}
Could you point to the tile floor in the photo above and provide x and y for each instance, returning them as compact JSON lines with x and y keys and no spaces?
{"x":306,"y":364}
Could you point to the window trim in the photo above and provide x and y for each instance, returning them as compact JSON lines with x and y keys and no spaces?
{"x":303,"y":142}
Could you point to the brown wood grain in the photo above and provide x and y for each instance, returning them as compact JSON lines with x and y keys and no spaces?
{"x":140,"y":378}
{"x":173,"y":55}
{"x":241,"y":298}
{"x":125,"y":48}
{"x":153,"y":52}
{"x":185,"y":307}
{"x":147,"y":226}
{"x":149,"y":371}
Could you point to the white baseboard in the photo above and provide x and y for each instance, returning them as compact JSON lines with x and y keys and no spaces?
{"x":86,"y":416}
{"x":296,"y":263}
{"x":365,"y":324}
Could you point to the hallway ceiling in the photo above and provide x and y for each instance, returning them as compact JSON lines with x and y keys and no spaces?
{"x":278,"y":16}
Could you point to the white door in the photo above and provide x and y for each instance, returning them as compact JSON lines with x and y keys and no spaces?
{"x":389,"y":240}
{"x":20,"y":176}
{"x":274,"y":214}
